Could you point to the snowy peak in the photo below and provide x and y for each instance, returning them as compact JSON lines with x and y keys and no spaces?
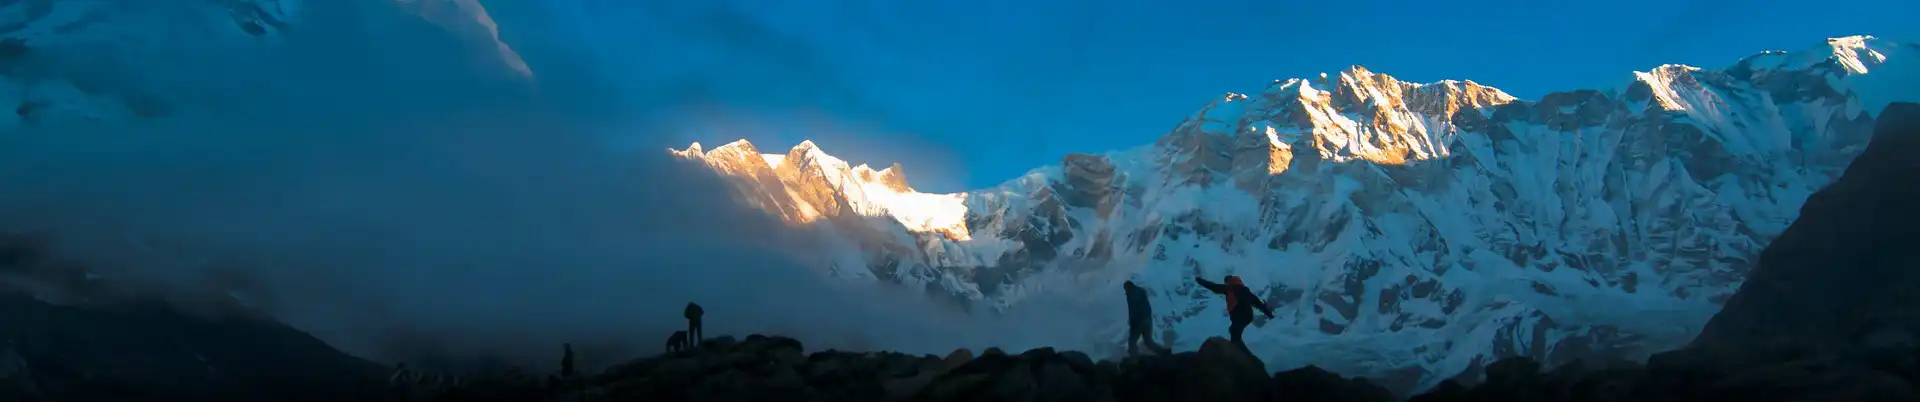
{"x":893,"y":177}
{"x":1357,"y":115}
{"x":1436,"y":227}
{"x":1361,"y":90}
{"x":1852,"y":54}
{"x":738,"y":155}
{"x":807,"y":184}
{"x":808,"y":155}
{"x":1360,"y":114}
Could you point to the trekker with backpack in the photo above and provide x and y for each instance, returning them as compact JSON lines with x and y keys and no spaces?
{"x":1240,"y":304}
{"x":693,"y":314}
{"x":1139,"y":320}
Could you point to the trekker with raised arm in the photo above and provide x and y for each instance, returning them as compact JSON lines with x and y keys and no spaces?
{"x":1240,"y":304}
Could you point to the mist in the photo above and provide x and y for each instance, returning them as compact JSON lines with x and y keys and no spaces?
{"x":387,"y":184}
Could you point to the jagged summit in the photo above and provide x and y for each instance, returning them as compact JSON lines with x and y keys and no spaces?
{"x":1421,"y":229}
{"x":1318,"y":103}
{"x":807,"y":184}
{"x":742,"y":153}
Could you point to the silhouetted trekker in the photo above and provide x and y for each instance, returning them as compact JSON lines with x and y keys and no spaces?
{"x":1139,"y":320}
{"x":677,"y":341}
{"x":1240,"y":304}
{"x":693,"y":314}
{"x":566,"y":361}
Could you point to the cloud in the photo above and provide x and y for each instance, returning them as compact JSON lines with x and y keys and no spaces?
{"x":385,"y":187}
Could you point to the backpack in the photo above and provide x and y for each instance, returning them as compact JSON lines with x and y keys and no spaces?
{"x":1233,"y":291}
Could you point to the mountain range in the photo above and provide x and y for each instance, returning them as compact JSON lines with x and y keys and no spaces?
{"x":1404,"y":231}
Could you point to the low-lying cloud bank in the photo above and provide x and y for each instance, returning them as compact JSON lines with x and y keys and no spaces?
{"x":386,"y":187}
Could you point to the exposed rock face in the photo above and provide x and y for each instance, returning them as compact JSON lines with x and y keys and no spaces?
{"x":1845,"y":272}
{"x":1435,"y":227}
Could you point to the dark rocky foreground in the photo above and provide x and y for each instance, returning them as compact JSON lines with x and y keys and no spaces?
{"x":761,"y":368}
{"x":149,"y":350}
{"x":1829,"y":315}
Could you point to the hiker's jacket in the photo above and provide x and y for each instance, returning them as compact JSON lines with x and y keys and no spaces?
{"x":1139,"y":312}
{"x":694,"y":311}
{"x":1240,"y":300}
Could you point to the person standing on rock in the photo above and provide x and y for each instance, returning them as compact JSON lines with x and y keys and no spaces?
{"x":1240,"y":304}
{"x":693,"y":314}
{"x":566,"y":361}
{"x":1139,"y":320}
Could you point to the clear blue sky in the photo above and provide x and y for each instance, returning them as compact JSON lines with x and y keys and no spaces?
{"x":968,"y":94}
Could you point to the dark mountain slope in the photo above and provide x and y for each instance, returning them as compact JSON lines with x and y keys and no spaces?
{"x":1848,"y":269}
{"x":149,"y":350}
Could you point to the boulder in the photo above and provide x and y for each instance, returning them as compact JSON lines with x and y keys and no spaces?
{"x":956,"y":358}
{"x":1222,"y":371}
{"x":1312,"y":383}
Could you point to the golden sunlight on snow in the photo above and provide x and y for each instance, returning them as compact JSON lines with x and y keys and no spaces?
{"x":806,"y":185}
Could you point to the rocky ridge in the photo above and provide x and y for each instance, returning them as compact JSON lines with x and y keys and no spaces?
{"x":766,"y":368}
{"x":1419,"y":229}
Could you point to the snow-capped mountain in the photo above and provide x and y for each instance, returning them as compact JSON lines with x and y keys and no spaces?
{"x":1410,"y":230}
{"x":68,"y":60}
{"x":119,"y":61}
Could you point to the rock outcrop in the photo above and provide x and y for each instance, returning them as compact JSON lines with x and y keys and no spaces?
{"x":769,"y":368}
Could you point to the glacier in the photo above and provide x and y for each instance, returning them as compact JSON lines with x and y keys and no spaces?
{"x":1404,"y":231}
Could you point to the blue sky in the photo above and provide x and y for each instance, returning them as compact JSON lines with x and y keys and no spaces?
{"x":968,"y":94}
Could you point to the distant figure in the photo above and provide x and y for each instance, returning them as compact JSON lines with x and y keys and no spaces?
{"x":566,"y":361}
{"x":1139,"y":320}
{"x":694,"y":333}
{"x":1240,"y":304}
{"x":677,"y":341}
{"x":409,"y":380}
